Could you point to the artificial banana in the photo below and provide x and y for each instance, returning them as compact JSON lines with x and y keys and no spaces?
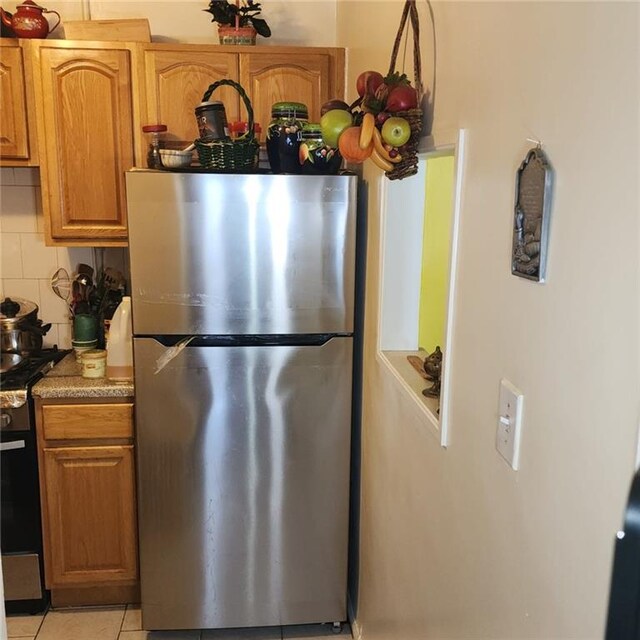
{"x":382,"y":152}
{"x":366,"y":130}
{"x":380,"y":161}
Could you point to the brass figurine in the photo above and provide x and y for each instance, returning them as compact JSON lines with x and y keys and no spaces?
{"x":430,"y":369}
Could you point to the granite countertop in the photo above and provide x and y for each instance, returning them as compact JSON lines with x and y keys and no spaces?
{"x":65,"y":381}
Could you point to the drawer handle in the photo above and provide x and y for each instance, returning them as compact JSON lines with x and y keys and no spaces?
{"x":8,"y":446}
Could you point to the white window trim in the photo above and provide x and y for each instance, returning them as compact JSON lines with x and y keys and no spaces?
{"x":398,"y":322}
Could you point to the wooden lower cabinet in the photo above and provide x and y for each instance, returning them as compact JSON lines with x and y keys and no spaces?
{"x":90,"y":511}
{"x":87,"y":480}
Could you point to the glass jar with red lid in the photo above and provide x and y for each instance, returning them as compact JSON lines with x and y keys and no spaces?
{"x":155,"y":141}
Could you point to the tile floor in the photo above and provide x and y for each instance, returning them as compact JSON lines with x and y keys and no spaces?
{"x":123,"y":623}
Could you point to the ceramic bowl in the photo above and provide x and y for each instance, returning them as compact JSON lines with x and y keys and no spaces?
{"x":174,"y":159}
{"x":80,"y":346}
{"x":84,"y":343}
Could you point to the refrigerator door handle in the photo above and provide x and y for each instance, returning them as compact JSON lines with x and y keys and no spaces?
{"x":300,"y":340}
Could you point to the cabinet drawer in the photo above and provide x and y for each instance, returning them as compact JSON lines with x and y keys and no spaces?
{"x":81,"y":422}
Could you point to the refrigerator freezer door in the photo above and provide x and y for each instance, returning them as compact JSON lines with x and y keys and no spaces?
{"x":243,"y":474}
{"x":241,"y":254}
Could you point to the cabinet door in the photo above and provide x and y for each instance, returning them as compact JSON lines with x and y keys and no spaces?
{"x":13,"y":123}
{"x":84,"y":100}
{"x":269,"y":78}
{"x":175,"y":83}
{"x":90,"y":516}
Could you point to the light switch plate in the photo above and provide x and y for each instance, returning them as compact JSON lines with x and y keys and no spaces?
{"x":509,"y":423}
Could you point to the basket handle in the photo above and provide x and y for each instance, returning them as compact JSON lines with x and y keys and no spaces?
{"x":409,"y":12}
{"x":232,"y":83}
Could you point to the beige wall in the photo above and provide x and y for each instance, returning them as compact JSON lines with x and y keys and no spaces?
{"x":454,"y":544}
{"x":303,"y":22}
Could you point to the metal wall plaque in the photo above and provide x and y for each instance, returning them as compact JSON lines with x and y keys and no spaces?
{"x":534,"y":186}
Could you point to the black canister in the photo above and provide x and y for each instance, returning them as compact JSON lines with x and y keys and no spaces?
{"x":284,"y":135}
{"x":315,"y":157}
{"x":212,"y":122}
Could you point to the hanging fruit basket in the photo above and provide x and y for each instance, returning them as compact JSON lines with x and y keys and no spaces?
{"x":408,"y":166}
{"x":388,"y":116}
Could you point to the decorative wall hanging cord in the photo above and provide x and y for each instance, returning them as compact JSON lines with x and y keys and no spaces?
{"x":434,"y":51}
{"x":435,"y":60}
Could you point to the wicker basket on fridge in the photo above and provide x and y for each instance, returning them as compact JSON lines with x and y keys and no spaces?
{"x":236,"y":155}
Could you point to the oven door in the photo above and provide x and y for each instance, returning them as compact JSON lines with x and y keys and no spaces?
{"x":20,"y":496}
{"x":21,"y":539}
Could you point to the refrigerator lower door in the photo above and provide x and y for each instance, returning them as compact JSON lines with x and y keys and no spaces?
{"x":243,"y":473}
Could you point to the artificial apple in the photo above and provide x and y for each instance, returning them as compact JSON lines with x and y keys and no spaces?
{"x":332,"y":124}
{"x":382,"y":117}
{"x":402,"y":98}
{"x":368,"y":82}
{"x":333,"y":104}
{"x":396,"y":131}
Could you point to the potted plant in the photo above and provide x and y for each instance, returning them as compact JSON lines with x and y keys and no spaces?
{"x":238,"y":21}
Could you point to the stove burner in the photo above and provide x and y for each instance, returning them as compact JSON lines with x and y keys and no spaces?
{"x":30,"y":369}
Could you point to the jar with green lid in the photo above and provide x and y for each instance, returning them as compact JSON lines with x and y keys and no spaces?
{"x":284,"y":135}
{"x":314,"y":156}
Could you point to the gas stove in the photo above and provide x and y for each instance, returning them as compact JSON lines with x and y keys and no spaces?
{"x":16,"y":382}
{"x":20,"y":527}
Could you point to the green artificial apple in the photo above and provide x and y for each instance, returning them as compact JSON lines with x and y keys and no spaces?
{"x":396,"y":131}
{"x":332,"y":124}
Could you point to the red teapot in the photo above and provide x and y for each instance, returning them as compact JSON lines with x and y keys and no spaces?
{"x":28,"y":21}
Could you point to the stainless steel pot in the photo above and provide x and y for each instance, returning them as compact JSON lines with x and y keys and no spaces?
{"x":8,"y":361}
{"x":21,"y":331}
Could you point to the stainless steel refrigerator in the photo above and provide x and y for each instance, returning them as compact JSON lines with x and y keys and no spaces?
{"x":243,"y":321}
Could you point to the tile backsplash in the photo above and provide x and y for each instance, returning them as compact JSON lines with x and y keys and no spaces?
{"x":26,"y":263}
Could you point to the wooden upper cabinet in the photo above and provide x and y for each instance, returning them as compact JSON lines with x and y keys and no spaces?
{"x":176,"y":79}
{"x":86,"y":136}
{"x":298,"y":76}
{"x":90,"y":516}
{"x":15,"y":147}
